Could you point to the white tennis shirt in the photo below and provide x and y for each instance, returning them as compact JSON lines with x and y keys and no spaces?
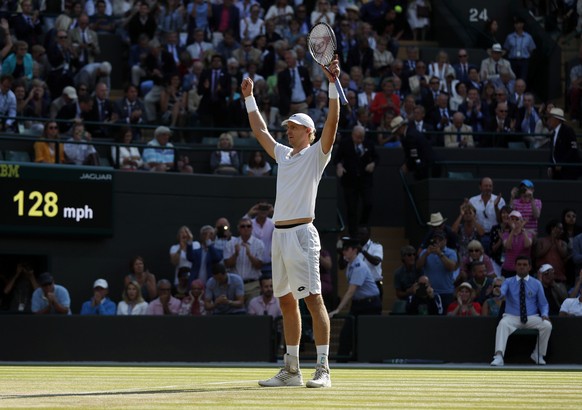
{"x":298,"y":177}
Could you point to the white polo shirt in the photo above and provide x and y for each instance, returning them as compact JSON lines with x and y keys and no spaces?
{"x":572,"y":306}
{"x":298,"y":177}
{"x":374,"y":249}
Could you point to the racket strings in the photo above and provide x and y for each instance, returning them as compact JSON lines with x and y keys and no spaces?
{"x":322,"y":44}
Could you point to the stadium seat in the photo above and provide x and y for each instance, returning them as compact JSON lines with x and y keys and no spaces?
{"x":516,"y":145}
{"x":460,"y":175}
{"x":17,"y":156}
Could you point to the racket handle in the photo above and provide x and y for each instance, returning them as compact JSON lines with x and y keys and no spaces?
{"x":340,"y":91}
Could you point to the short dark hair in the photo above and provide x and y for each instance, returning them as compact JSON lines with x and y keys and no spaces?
{"x":523,"y":257}
{"x":218,"y":268}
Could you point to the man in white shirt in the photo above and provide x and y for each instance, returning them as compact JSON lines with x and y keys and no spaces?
{"x":487,"y":206}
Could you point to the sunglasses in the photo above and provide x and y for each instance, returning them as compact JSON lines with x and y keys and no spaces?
{"x":409,"y":254}
{"x":462,"y":55}
{"x":164,"y":289}
{"x":53,"y":127}
{"x":474,"y":250}
{"x":196,"y":288}
{"x":63,"y":37}
{"x":245,"y":226}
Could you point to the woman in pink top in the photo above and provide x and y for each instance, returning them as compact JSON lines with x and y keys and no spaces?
{"x":524,"y":202}
{"x":516,"y":242}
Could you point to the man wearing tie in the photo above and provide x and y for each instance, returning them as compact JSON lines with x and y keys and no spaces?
{"x":462,"y":68}
{"x":563,"y":147}
{"x":86,"y":41}
{"x":355,"y":162}
{"x":526,"y":307}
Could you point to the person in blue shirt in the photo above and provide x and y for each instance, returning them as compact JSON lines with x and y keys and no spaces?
{"x":99,"y":304}
{"x":50,"y":298}
{"x":519,"y":46}
{"x":363,"y":293}
{"x":534,"y":315}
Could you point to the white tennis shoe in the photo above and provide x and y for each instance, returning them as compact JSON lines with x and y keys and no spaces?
{"x":497,"y":360}
{"x":290,"y":375}
{"x":321,"y":377}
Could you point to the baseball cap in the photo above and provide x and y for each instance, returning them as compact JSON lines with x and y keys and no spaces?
{"x":70,"y":92}
{"x":45,"y":279}
{"x":545,"y":267}
{"x":465,"y":285}
{"x":301,"y":119}
{"x":100,"y":283}
{"x":348,"y":242}
{"x":517,"y":214}
{"x":527,"y":183}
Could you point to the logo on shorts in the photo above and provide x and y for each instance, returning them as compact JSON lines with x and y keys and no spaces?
{"x":300,"y":288}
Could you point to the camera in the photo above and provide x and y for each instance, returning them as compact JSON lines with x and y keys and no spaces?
{"x":432,"y":241}
{"x":221,"y":231}
{"x":421,"y":291}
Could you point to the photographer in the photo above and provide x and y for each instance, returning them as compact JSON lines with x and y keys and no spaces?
{"x":522,"y":200}
{"x":424,"y":300}
{"x":439,"y":262}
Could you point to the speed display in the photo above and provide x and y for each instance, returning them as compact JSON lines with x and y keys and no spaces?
{"x":59,"y":199}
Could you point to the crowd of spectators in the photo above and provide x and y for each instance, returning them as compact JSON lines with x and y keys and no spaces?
{"x":185,"y":62}
{"x":459,"y":269}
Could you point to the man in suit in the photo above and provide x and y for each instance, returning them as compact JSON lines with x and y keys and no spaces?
{"x":563,"y":147}
{"x":458,"y":137}
{"x":429,"y":95}
{"x":204,"y":256}
{"x":476,"y":112}
{"x":501,"y":125}
{"x":491,"y":65}
{"x":441,"y":116}
{"x":294,"y":86}
{"x":130,"y":110}
{"x":418,"y":80}
{"x":101,"y":113}
{"x":86,"y":41}
{"x":463,"y":66}
{"x":526,"y":307}
{"x":355,"y":162}
{"x":27,"y":25}
{"x":418,"y":153}
{"x":422,"y":126}
{"x":474,"y":80}
{"x":214,"y":88}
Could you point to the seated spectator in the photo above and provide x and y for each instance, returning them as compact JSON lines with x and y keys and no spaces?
{"x":272,"y":117}
{"x":81,"y":154}
{"x":193,"y":301}
{"x":464,"y":304}
{"x":517,"y":242}
{"x":481,"y":284}
{"x":225,"y":293}
{"x":173,"y":103}
{"x":552,"y":250}
{"x":554,"y":291}
{"x":261,"y":215}
{"x":467,"y":228}
{"x":522,"y":200}
{"x":439,"y":262}
{"x":266,"y":303}
{"x":145,"y":279}
{"x":92,"y":74}
{"x":99,"y":304}
{"x":7,"y":104}
{"x":459,"y":136}
{"x":475,"y":111}
{"x":257,"y":165}
{"x":159,"y":156}
{"x":475,"y":253}
{"x":572,"y":306}
{"x":406,"y":276}
{"x":50,"y":298}
{"x":165,"y":303}
{"x":500,"y":124}
{"x":125,"y":157}
{"x":181,"y":289}
{"x":424,"y":300}
{"x":131,"y":110}
{"x":19,"y":288}
{"x":38,"y":101}
{"x":19,"y":63}
{"x":225,"y":161}
{"x":132,"y":303}
{"x":45,"y":151}
{"x":492,"y":305}
{"x":526,"y":307}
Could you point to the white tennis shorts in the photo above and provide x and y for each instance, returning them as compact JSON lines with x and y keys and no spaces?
{"x":295,"y":259}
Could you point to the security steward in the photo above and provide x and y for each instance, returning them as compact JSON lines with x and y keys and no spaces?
{"x":362,"y":292}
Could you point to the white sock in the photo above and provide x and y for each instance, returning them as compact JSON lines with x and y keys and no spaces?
{"x":293,"y":350}
{"x":322,"y":354}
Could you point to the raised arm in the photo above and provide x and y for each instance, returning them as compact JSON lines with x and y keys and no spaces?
{"x":256,"y":121}
{"x":331,"y":123}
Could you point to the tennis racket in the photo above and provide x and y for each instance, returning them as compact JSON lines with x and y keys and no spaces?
{"x":323,"y":46}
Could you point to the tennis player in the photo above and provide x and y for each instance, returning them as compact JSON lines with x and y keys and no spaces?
{"x":296,"y":245}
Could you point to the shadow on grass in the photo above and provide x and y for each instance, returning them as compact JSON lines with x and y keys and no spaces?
{"x":123,"y":393}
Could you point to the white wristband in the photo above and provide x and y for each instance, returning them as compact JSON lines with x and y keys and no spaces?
{"x":251,"y":104}
{"x":332,"y":92}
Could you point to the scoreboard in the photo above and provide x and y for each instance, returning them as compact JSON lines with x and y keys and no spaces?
{"x":55,"y":199}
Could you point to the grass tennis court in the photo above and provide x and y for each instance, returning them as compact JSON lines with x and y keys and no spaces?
{"x":221,"y":387}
